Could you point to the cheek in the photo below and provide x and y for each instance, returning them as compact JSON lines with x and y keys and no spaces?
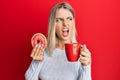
{"x":57,"y":29}
{"x":71,"y":24}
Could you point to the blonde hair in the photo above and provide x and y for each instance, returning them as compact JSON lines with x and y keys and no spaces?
{"x":52,"y":38}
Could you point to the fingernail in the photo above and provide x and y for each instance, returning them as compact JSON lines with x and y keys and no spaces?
{"x":81,"y":45}
{"x":85,"y":45}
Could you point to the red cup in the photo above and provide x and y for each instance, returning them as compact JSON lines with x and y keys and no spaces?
{"x":72,"y":51}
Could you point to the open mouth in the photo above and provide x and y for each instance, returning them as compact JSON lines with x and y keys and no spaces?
{"x":65,"y":32}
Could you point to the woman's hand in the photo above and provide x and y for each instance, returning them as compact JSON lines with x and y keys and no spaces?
{"x":37,"y":53}
{"x":85,"y":56}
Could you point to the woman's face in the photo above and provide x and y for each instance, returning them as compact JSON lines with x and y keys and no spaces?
{"x":64,"y":23}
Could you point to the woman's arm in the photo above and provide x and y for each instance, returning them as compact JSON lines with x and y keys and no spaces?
{"x":33,"y":71}
{"x":35,"y":66}
{"x":85,"y":60}
{"x":85,"y":73}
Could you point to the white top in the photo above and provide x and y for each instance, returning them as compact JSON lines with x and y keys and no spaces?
{"x":57,"y":67}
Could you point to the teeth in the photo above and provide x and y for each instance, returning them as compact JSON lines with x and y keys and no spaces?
{"x":65,"y":30}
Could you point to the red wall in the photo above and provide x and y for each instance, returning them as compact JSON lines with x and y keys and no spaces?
{"x":98,"y":25}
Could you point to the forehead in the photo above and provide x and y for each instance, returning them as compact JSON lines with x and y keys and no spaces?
{"x":63,"y":13}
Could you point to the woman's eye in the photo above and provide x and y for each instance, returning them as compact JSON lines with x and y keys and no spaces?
{"x":59,"y":20}
{"x":69,"y":18}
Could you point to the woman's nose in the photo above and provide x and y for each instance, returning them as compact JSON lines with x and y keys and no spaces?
{"x":64,"y":22}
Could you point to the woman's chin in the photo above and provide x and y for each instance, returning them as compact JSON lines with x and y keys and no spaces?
{"x":66,"y":38}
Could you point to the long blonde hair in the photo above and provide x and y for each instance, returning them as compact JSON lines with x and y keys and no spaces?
{"x":52,"y":38}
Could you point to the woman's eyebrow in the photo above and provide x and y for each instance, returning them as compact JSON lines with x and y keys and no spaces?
{"x":69,"y":17}
{"x":59,"y":18}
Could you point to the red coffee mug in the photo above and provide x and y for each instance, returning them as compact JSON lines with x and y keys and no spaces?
{"x":72,"y":51}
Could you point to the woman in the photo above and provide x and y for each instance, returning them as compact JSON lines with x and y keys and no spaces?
{"x":53,"y":65}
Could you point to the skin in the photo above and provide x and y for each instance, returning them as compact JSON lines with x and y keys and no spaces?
{"x":63,"y":19}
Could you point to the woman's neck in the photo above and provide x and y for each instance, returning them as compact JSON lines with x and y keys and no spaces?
{"x":61,"y":44}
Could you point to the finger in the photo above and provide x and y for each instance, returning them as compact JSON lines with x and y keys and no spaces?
{"x":41,"y":51}
{"x":85,"y":50}
{"x":81,"y":45}
{"x":85,"y":47}
{"x":37,"y":51}
{"x":40,"y":54}
{"x":40,"y":57}
{"x":33,"y":51}
{"x":83,"y":58}
{"x":84,"y":54}
{"x":85,"y":61}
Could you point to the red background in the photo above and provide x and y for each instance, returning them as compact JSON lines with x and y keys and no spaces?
{"x":97,"y":22}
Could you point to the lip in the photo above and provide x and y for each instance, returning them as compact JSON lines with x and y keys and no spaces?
{"x":65,"y":29}
{"x":65,"y":32}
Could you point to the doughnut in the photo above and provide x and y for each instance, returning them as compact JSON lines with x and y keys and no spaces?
{"x":39,"y":38}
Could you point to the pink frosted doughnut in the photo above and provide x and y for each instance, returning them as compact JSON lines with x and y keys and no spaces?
{"x":39,"y":38}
